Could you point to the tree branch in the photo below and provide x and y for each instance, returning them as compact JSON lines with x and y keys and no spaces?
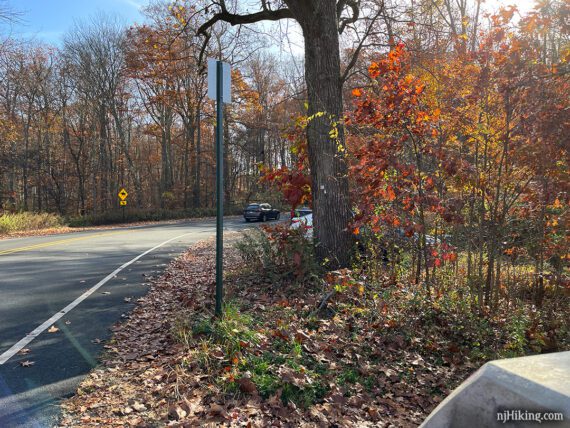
{"x":356,"y":54}
{"x":266,"y":14}
{"x":236,"y":19}
{"x":355,"y":6}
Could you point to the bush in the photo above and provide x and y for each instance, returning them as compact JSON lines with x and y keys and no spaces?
{"x":280,"y":252}
{"x":114,"y":217}
{"x":28,"y":221}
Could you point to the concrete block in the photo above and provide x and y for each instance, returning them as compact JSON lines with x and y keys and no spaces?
{"x":526,"y":387}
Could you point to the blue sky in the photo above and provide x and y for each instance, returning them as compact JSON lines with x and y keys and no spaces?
{"x":49,"y":20}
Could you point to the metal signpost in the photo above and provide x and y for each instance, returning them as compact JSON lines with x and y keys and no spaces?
{"x":219,"y":89}
{"x":123,"y":200}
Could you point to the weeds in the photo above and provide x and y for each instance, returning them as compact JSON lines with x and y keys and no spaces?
{"x":131,"y":216}
{"x":280,"y":253}
{"x":28,"y":221}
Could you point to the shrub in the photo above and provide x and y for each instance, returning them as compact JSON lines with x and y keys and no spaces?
{"x":280,"y":252}
{"x":28,"y":221}
{"x":114,"y":217}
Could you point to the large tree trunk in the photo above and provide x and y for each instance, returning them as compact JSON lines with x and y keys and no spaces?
{"x":326,"y":155}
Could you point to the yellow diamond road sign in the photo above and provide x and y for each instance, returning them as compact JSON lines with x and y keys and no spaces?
{"x":123,"y":194}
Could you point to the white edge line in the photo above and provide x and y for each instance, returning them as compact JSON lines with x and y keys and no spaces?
{"x":41,"y":328}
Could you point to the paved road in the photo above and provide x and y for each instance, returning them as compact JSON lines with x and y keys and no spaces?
{"x":41,"y":276}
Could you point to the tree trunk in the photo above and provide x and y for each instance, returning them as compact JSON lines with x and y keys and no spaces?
{"x":198,"y":154}
{"x":329,"y":179}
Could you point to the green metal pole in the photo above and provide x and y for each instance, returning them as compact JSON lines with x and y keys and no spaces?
{"x":219,"y":189}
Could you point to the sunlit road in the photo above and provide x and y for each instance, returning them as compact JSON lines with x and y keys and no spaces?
{"x":42,"y":276}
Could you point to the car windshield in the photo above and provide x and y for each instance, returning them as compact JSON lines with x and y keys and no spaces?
{"x":252,"y":207}
{"x":301,"y":212}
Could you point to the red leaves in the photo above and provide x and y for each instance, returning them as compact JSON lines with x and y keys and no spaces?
{"x":387,"y":170}
{"x":294,"y":183}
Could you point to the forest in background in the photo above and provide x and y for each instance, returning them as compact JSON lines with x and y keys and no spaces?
{"x":121,"y":107}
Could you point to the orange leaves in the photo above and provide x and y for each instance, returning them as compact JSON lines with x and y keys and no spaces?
{"x":386,"y":170}
{"x":357,"y":92}
{"x":374,"y":70}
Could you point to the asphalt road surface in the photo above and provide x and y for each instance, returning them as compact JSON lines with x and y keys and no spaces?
{"x":81,"y":283}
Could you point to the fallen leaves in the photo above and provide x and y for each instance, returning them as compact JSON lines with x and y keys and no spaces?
{"x":27,"y":363}
{"x":53,"y":329}
{"x":176,"y":413}
{"x":247,"y":386}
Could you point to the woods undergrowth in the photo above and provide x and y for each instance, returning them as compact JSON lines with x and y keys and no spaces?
{"x":28,"y":221}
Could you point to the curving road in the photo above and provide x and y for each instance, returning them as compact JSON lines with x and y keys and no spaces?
{"x":82,"y":283}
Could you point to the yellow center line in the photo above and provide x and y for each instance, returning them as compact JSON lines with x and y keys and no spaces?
{"x":52,"y":243}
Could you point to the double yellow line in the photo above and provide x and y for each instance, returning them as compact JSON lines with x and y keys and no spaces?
{"x":52,"y":243}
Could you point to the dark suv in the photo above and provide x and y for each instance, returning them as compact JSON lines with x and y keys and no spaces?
{"x":260,"y":212}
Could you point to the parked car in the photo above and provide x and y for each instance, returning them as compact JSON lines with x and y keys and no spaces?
{"x":261,"y":212}
{"x":305,"y":222}
{"x":300,"y":212}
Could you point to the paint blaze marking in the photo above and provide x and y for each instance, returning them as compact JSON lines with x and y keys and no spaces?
{"x":22,"y":343}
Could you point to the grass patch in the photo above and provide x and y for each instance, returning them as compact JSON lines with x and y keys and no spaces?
{"x":23,"y":221}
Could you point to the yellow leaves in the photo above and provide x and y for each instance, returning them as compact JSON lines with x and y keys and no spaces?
{"x":557,"y":204}
{"x":316,"y":115}
{"x":552,"y":223}
{"x":333,"y":133}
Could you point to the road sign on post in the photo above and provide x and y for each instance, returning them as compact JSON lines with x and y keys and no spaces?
{"x":123,"y":200}
{"x":219,"y":89}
